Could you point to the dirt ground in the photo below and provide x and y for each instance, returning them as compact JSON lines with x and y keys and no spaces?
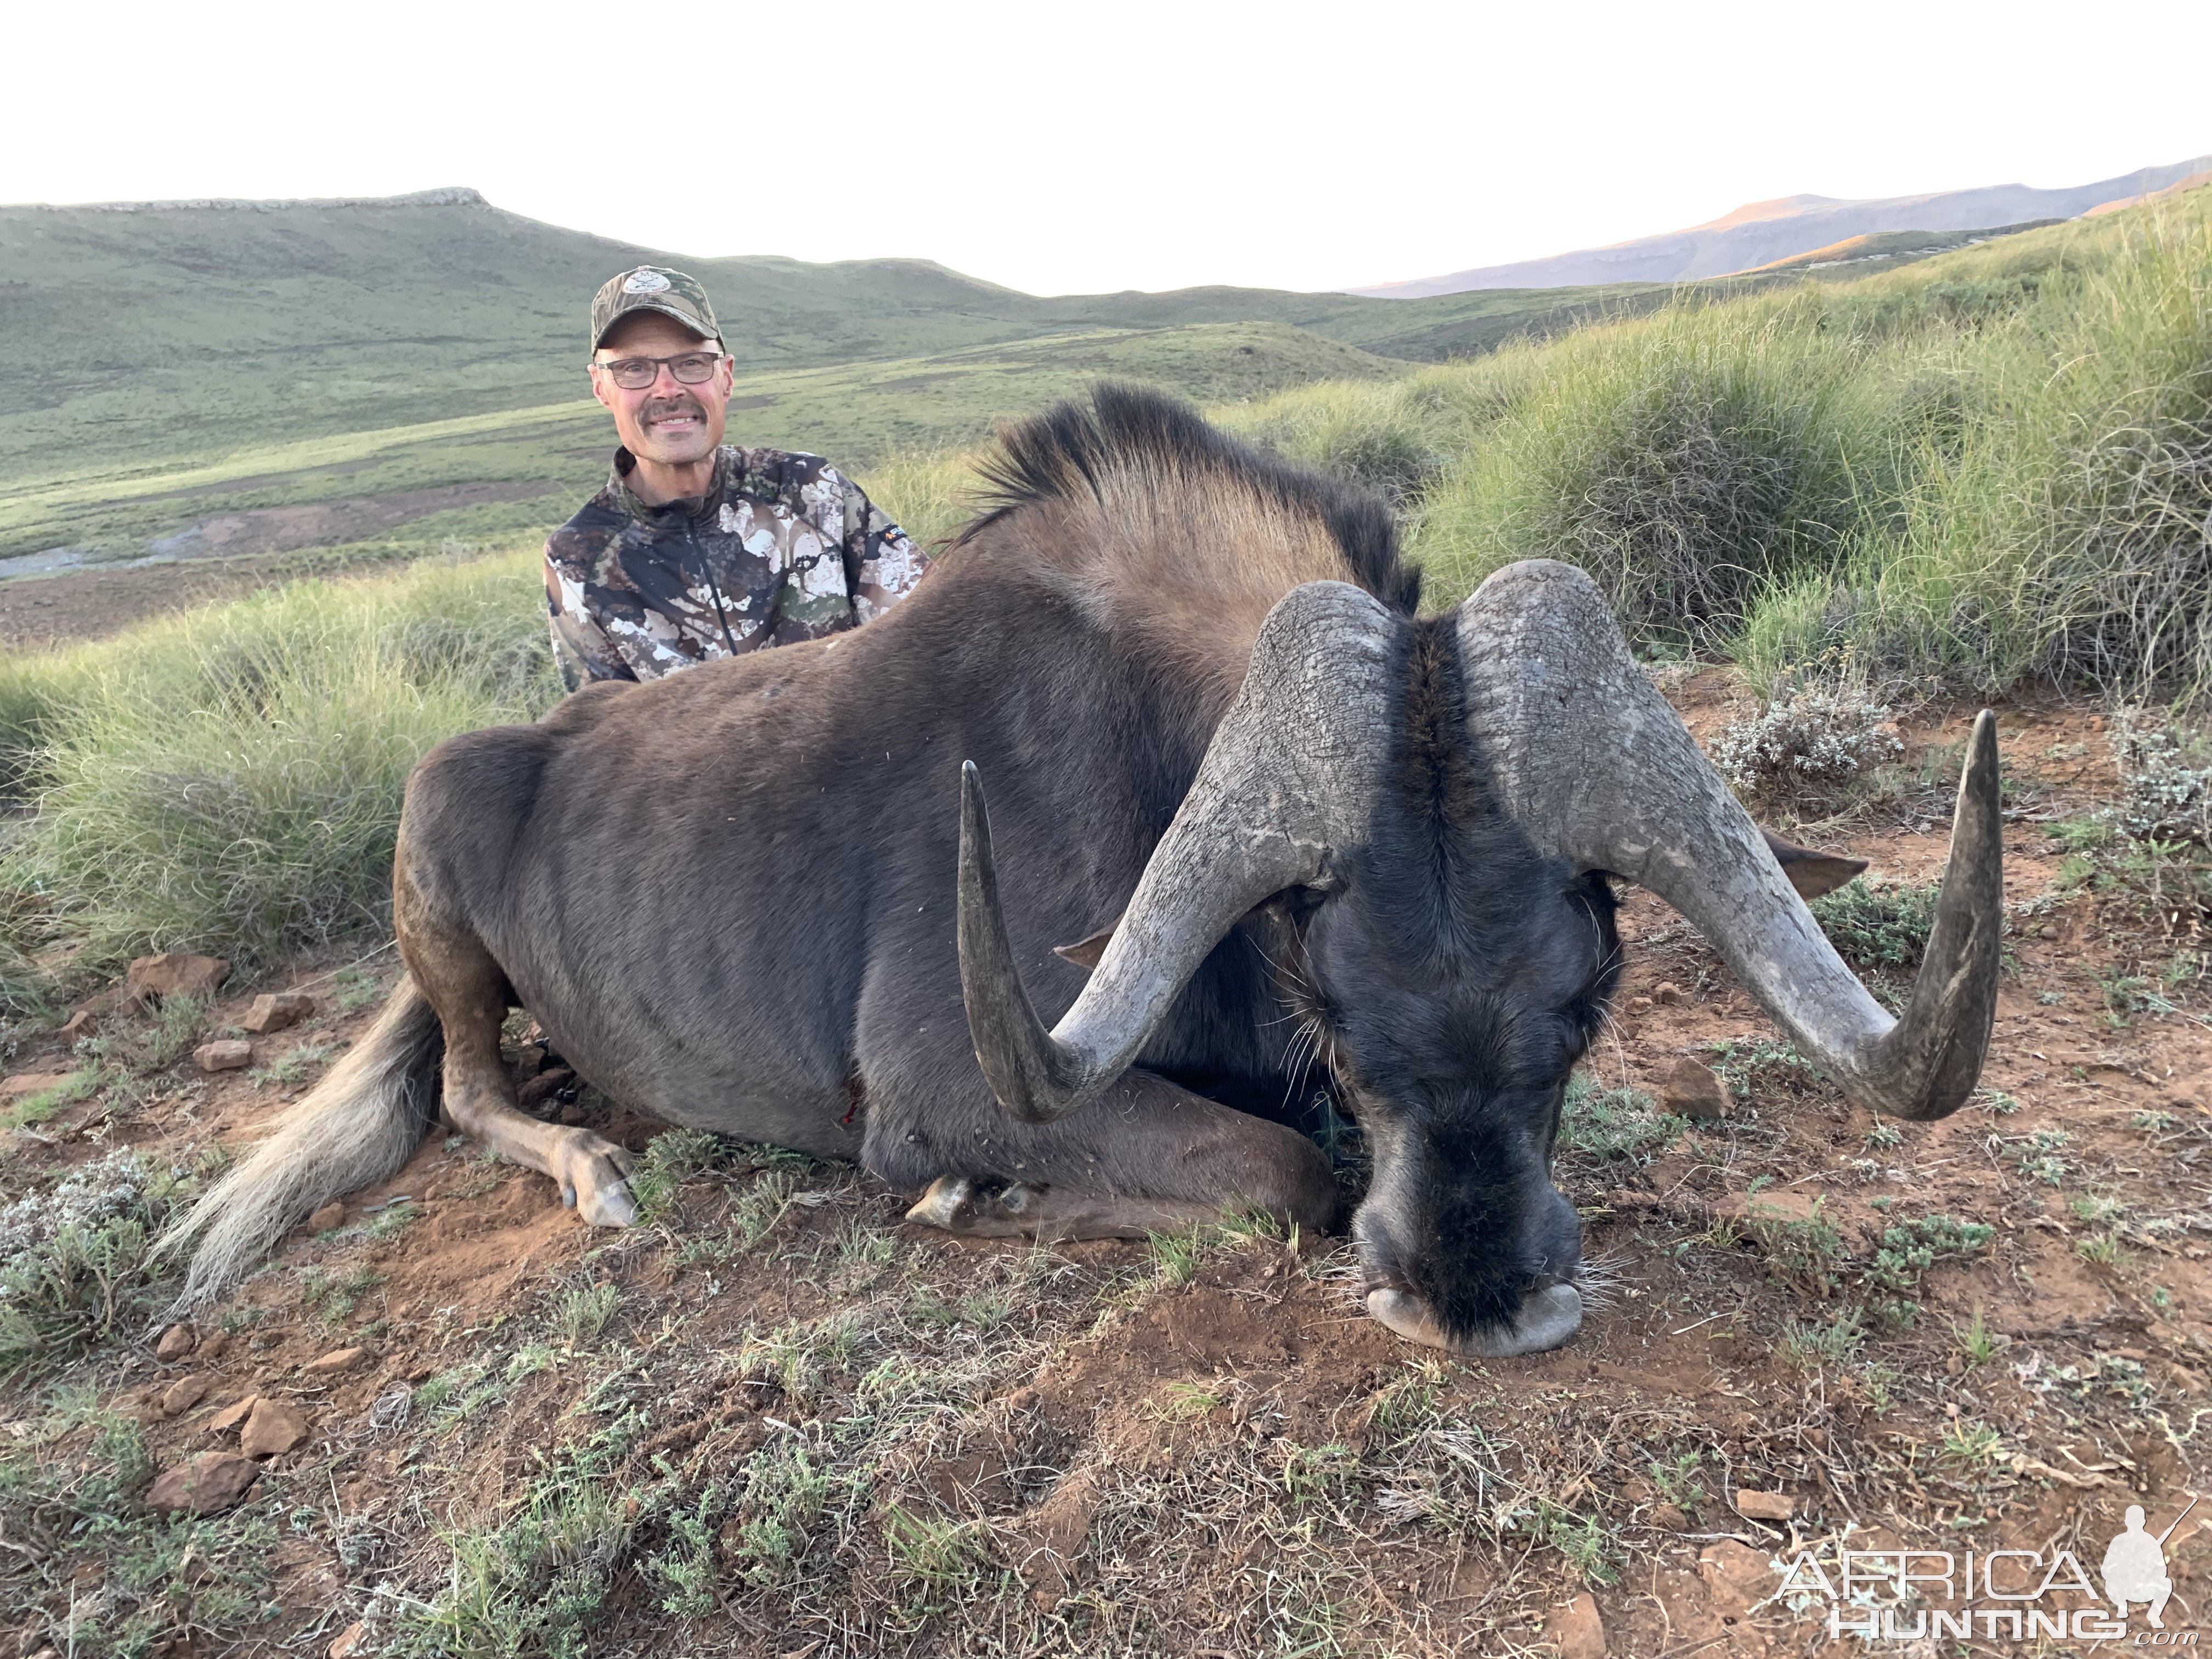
{"x":778,"y":1419}
{"x":225,"y":556}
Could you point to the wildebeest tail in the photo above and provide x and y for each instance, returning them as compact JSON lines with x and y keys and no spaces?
{"x":359,"y":1125}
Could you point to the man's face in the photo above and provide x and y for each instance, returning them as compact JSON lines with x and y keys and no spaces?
{"x":667,"y":423}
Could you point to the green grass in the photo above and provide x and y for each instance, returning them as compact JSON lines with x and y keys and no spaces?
{"x":1973,"y":470}
{"x":1603,"y":1124}
{"x":76,"y":1261}
{"x":316,"y":354}
{"x":229,"y":779}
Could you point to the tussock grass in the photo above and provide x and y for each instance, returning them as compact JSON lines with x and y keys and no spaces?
{"x":1687,"y":460}
{"x":229,"y":779}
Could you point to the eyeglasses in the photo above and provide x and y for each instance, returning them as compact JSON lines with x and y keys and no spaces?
{"x":636,"y":374}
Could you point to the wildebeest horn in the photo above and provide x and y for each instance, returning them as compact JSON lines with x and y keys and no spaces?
{"x":1288,"y":778}
{"x":1600,"y":770}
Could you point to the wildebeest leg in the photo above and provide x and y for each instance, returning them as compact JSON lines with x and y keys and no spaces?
{"x":470,"y":991}
{"x":1148,"y":1156}
{"x":960,"y":1204}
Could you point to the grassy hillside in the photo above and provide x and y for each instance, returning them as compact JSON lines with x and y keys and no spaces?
{"x":1994,"y":466}
{"x":139,"y":346}
{"x":532,"y":465}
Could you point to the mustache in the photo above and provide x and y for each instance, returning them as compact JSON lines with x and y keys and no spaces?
{"x":659,"y":409}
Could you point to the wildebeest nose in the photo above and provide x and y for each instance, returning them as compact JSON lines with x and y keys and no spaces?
{"x":1546,"y":1318}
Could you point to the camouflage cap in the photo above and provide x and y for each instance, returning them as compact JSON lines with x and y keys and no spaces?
{"x":654,"y":287}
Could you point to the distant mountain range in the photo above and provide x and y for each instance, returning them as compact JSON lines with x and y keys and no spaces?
{"x":1762,"y":232}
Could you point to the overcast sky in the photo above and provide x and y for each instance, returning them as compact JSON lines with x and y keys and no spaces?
{"x":1065,"y":147}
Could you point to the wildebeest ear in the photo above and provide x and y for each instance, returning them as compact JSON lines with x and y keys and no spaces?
{"x":1085,"y":952}
{"x":1811,"y":873}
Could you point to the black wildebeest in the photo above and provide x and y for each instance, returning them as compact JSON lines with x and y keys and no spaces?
{"x":1209,"y":719}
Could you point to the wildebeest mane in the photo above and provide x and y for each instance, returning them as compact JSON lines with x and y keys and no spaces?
{"x":1170,"y":535}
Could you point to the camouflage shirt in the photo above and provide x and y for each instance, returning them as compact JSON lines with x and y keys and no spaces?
{"x":781,"y":547}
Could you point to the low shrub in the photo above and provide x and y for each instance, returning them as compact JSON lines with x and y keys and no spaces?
{"x":1814,"y":738}
{"x":1878,"y":926}
{"x":75,"y":1260}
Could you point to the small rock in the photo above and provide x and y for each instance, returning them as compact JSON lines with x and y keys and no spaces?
{"x":327,"y":1220}
{"x":212,"y":1344}
{"x":1665,"y":1517}
{"x":338,"y":1359}
{"x":176,"y":1342}
{"x":275,"y":1010}
{"x":1738,"y":1576}
{"x":1640,"y":1005}
{"x":172,"y":974}
{"x":233,"y":1414}
{"x":274,"y":1427}
{"x":183,"y":1393}
{"x":1694,"y":1091}
{"x":1576,"y":1629}
{"x":78,"y":1025}
{"x":213,"y":1480}
{"x":23,"y":1084}
{"x":1764,"y":1505}
{"x":347,"y":1643}
{"x":1666,"y":993}
{"x":224,"y":1054}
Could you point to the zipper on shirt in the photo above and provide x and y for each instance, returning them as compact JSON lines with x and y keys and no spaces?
{"x":707,"y":564}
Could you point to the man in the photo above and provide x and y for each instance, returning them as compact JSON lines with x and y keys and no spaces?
{"x":697,"y":549}
{"x":2135,"y":1568}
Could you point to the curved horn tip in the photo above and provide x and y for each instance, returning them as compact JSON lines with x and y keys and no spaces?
{"x":1933,"y":1058}
{"x":1018,"y":1055}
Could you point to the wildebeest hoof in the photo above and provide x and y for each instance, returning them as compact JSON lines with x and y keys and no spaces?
{"x":592,"y":1171}
{"x":949,"y":1202}
{"x":1548,"y":1318}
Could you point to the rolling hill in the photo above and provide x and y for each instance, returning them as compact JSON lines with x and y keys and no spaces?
{"x":163,"y":365}
{"x":1762,"y":234}
{"x":388,"y":376}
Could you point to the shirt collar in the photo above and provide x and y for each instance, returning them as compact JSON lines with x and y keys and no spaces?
{"x":684,"y":507}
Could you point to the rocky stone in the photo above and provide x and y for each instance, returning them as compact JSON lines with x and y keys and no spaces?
{"x":1666,"y":993}
{"x":350,"y":1642}
{"x":150,"y":980}
{"x":337,"y":1359}
{"x":1694,"y":1091}
{"x":224,"y":1054}
{"x":97,"y":1007}
{"x":208,"y":1483}
{"x":327,"y":1220}
{"x":181,"y":1395}
{"x":1739,"y":1577}
{"x":1576,"y":1629}
{"x":272,"y":1428}
{"x":1764,"y":1505}
{"x":1665,"y":1517}
{"x":233,"y":1414}
{"x":276,"y":1010}
{"x":176,"y":1342}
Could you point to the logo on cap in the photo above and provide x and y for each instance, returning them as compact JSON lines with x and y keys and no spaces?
{"x":644,"y":280}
